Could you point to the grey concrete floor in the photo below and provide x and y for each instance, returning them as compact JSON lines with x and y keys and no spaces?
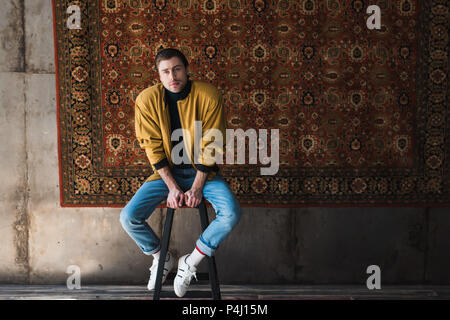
{"x":229,"y":292}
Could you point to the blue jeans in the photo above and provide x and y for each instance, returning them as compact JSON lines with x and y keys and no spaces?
{"x":134,"y":215}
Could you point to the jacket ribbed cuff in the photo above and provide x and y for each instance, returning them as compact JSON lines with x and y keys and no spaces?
{"x":207,"y":169}
{"x":161,"y":164}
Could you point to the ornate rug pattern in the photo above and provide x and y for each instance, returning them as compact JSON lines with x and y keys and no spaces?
{"x":362,"y":114}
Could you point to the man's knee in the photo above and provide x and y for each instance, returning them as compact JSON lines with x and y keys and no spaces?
{"x":232,"y":215}
{"x":127,"y":217}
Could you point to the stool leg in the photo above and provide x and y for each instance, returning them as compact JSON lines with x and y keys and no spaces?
{"x":164,"y":249}
{"x":213,"y":278}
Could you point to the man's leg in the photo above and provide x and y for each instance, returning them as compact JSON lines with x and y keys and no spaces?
{"x":228,"y":214}
{"x":138,"y":209}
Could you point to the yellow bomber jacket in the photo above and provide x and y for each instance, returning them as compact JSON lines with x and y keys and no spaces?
{"x":153,"y":131}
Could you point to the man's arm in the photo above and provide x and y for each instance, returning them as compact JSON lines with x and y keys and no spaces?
{"x":149,"y":135}
{"x":148,"y":132}
{"x":176,"y":196}
{"x":214,"y":119}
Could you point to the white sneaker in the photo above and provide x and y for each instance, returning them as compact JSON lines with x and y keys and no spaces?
{"x":184,"y":276}
{"x":168,"y":265}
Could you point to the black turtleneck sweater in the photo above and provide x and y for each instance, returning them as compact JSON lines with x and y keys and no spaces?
{"x":171,"y":100}
{"x":175,"y":123}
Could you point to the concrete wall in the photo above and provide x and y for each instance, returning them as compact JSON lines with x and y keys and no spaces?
{"x":39,"y":239}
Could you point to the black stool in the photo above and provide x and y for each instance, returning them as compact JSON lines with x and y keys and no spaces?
{"x":213,"y":279}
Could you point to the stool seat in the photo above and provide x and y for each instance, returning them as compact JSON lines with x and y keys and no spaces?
{"x":213,"y":279}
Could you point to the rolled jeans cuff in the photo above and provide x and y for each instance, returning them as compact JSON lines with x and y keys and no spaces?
{"x":204,"y":248}
{"x":149,"y":253}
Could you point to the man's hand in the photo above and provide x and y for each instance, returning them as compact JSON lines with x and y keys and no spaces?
{"x":193,"y":197}
{"x":175,"y":198}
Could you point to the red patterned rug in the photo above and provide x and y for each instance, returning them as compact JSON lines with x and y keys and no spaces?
{"x":362,"y":114}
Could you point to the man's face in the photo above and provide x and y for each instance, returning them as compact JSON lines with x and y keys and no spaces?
{"x":173,"y":74}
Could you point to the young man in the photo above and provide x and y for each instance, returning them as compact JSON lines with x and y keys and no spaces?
{"x":176,"y":103}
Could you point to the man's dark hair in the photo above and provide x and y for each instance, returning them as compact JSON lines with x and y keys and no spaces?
{"x":168,"y":53}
